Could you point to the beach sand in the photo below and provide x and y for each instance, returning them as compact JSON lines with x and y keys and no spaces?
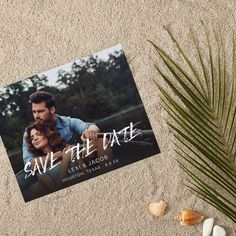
{"x":39,"y":35}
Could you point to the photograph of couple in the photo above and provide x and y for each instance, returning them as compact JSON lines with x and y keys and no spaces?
{"x":73,"y":123}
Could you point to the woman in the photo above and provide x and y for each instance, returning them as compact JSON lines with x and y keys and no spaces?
{"x":43,"y":139}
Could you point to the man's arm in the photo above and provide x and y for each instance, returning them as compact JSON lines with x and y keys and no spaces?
{"x":91,"y":132}
{"x":86,"y":130}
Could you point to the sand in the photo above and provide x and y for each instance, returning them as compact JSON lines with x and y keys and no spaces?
{"x":39,"y":35}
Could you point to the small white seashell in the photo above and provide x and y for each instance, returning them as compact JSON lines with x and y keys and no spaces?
{"x":207,"y":227}
{"x":218,"y":231}
{"x":157,"y":208}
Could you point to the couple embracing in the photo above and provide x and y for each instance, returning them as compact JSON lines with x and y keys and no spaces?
{"x":53,"y":133}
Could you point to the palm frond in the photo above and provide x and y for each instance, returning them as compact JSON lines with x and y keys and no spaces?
{"x":204,"y":117}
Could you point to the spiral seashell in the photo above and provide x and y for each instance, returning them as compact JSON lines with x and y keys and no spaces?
{"x":189,"y":217}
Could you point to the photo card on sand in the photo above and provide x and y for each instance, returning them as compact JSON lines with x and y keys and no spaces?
{"x":74,"y":122}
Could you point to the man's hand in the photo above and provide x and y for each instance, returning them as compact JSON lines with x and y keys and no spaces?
{"x":90,"y":133}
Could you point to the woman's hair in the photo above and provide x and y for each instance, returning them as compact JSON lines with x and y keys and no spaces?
{"x":56,"y":142}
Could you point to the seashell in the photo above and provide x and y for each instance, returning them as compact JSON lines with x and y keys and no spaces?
{"x":189,"y":217}
{"x":218,"y":231}
{"x":157,"y":208}
{"x":207,"y":227}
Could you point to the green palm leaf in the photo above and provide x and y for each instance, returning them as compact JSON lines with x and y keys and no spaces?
{"x":204,"y":117}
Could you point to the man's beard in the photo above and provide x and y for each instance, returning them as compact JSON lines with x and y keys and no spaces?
{"x":49,"y":119}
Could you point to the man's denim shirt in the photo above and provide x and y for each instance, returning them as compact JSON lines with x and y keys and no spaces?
{"x":67,"y":128}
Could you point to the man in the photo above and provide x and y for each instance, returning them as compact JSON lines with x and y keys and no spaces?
{"x":44,"y":109}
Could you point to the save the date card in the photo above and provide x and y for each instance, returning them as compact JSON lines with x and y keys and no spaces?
{"x":73,"y":123}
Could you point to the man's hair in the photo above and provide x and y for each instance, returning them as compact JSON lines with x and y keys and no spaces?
{"x":42,"y":96}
